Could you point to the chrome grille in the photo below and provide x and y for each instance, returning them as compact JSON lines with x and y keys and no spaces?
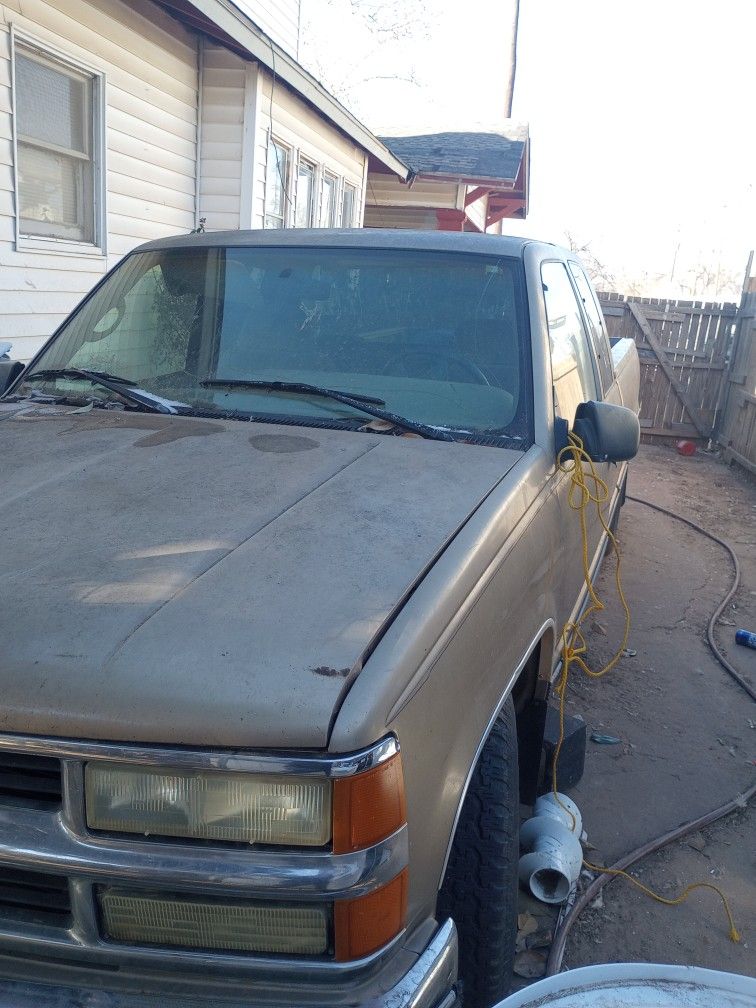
{"x":31,"y":780}
{"x":34,"y":898}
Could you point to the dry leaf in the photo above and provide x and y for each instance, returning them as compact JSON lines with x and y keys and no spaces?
{"x":526,"y":923}
{"x":530,"y":964}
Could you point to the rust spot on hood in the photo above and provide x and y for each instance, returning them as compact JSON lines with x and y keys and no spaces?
{"x":331,"y":673}
{"x":164,"y":429}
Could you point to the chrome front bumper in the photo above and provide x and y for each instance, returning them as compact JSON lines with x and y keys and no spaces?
{"x":429,"y":983}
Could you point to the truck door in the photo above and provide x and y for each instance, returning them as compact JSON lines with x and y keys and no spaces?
{"x":575,"y":380}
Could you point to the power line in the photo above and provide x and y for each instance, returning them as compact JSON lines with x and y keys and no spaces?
{"x":509,"y":94}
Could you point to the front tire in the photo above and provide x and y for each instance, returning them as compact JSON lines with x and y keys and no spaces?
{"x":479,"y":890}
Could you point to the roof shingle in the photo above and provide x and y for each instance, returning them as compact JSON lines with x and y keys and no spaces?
{"x":491,"y":155}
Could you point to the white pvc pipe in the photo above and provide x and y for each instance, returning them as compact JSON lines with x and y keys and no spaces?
{"x":553,"y":856}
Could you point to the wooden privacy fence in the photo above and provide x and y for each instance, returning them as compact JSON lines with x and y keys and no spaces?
{"x":737,"y":431}
{"x":682,"y":347}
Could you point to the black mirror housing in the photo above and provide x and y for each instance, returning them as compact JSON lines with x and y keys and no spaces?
{"x":9,"y":371}
{"x":609,"y":433}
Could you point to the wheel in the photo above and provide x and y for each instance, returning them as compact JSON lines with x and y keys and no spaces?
{"x":480,"y":886}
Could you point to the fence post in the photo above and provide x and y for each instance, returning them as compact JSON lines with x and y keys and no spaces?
{"x":741,"y":379}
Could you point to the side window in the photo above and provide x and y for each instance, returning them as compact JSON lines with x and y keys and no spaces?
{"x":571,"y":364}
{"x":598,"y":330}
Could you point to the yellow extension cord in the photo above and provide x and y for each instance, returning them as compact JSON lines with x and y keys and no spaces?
{"x":587,"y":487}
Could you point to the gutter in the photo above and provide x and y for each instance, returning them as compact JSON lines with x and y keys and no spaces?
{"x":231,"y":20}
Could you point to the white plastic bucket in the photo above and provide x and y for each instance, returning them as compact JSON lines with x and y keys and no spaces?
{"x":638,"y":985}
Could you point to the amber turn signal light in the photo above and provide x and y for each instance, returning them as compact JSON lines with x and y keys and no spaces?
{"x":368,"y":807}
{"x":365,"y":924}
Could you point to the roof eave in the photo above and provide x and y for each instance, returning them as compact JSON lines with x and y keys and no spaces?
{"x":235,"y":23}
{"x":473,"y":180}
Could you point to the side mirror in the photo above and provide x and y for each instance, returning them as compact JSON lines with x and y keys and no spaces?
{"x":9,"y":371}
{"x":609,"y":433}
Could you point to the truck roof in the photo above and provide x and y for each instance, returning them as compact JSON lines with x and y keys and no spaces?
{"x":436,"y":241}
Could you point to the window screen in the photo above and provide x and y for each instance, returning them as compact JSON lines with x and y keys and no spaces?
{"x":571,"y":364}
{"x":54,"y":118}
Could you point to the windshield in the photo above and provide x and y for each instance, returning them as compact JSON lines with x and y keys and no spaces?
{"x":439,"y":338}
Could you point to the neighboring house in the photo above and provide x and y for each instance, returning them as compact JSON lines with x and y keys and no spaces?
{"x":467,"y":181}
{"x":126,"y":121}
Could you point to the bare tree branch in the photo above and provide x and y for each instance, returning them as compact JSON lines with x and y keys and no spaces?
{"x":597,"y":271}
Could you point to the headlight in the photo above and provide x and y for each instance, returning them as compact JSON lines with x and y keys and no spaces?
{"x":209,"y":805}
{"x":202,"y":923}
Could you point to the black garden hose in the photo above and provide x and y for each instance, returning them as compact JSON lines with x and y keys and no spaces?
{"x":720,"y":608}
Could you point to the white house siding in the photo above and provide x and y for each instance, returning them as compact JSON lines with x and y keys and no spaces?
{"x":151,"y":81}
{"x":236,"y":125}
{"x":224,"y":77}
{"x":277,"y":18}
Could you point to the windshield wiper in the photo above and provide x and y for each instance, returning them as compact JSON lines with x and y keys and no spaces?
{"x":114,"y":383}
{"x":283,"y":386}
{"x":367,"y":404}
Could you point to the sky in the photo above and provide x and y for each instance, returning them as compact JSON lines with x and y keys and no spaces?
{"x":641,"y":113}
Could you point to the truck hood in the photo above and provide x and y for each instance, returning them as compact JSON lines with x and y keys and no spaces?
{"x":178,"y":580}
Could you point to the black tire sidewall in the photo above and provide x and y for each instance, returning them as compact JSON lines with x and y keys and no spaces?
{"x":479,"y":889}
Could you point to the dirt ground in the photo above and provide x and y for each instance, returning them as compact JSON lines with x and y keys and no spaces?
{"x":687,"y":731}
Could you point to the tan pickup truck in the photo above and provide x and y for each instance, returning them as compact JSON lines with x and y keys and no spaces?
{"x":285,"y":558}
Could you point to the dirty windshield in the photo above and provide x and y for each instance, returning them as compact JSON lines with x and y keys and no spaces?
{"x":436,"y":338}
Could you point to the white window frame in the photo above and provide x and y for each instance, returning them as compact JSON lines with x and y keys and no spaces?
{"x":41,"y":243}
{"x":288,"y":203}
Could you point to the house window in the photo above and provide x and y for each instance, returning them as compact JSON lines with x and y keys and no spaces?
{"x":328,"y":202}
{"x":276,"y":185}
{"x":305,"y":195}
{"x":57,"y":109}
{"x":348,"y":201}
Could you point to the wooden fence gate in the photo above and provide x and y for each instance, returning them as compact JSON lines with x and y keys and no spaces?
{"x":682,"y":347}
